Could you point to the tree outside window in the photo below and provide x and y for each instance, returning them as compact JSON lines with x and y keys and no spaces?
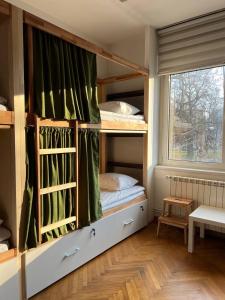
{"x":196,"y":115}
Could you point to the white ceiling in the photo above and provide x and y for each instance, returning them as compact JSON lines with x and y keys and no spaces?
{"x":108,"y":21}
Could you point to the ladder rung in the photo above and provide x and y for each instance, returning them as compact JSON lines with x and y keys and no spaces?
{"x":57,"y":151}
{"x":56,"y":188}
{"x":57,"y":224}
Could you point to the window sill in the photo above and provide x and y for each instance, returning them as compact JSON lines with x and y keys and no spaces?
{"x":190,"y":170}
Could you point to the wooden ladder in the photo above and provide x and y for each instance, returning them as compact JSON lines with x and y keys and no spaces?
{"x":70,"y":185}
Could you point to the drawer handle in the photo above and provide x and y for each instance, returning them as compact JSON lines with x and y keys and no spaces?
{"x":69,"y":254}
{"x":93,"y":232}
{"x":130,"y":221}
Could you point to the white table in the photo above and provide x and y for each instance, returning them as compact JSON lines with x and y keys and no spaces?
{"x":204,"y":215}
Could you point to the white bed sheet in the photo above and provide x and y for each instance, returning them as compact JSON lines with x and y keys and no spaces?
{"x":111,"y":116}
{"x":122,"y":201}
{"x":110,"y":198}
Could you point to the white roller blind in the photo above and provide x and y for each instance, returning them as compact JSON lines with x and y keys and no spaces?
{"x":193,"y":44}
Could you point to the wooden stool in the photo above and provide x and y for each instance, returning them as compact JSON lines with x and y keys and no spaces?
{"x":169,"y":219}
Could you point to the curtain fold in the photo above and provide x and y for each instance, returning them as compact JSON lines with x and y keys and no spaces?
{"x":30,"y":199}
{"x":65,"y":80}
{"x":90,"y":208}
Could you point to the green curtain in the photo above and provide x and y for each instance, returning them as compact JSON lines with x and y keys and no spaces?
{"x":30,"y":200}
{"x":64,"y":88}
{"x":65,"y":79}
{"x":89,"y":194}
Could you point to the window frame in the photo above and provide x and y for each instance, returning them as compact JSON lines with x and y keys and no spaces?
{"x":165,"y":131}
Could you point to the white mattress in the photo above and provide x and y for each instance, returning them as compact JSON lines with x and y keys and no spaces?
{"x":112,"y":199}
{"x":3,"y":107}
{"x":111,"y":116}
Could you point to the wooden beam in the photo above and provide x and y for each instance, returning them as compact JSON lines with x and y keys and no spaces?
{"x":119,"y":78}
{"x":49,"y":122}
{"x":38,"y":179}
{"x":80,"y":42}
{"x":57,"y":151}
{"x":8,"y":255}
{"x":57,"y":224}
{"x":6,"y":117}
{"x":5,"y":8}
{"x":30,"y":69}
{"x":125,"y":165}
{"x":76,"y":142}
{"x":116,"y":126}
{"x":113,"y":210}
{"x":57,"y":188}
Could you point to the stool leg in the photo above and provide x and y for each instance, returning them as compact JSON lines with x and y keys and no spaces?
{"x":185,"y":235}
{"x":158,"y":227}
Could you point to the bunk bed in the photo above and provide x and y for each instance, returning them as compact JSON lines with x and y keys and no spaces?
{"x":52,"y":260}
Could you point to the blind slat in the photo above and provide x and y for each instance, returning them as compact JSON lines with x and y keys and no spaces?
{"x":192,"y":45}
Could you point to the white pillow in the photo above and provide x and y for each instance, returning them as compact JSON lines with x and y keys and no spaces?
{"x":119,"y":107}
{"x":3,"y":107}
{"x":116,"y":182}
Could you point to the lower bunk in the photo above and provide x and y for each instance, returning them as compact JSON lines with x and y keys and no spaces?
{"x":52,"y":261}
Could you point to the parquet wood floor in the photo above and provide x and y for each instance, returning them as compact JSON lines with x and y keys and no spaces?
{"x":145,"y":268}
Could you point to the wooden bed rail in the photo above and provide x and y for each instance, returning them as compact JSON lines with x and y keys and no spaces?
{"x":37,"y":22}
{"x":119,"y":78}
{"x":124,"y":165}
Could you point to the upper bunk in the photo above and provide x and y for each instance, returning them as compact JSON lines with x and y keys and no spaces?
{"x":110,"y":124}
{"x":121,"y":123}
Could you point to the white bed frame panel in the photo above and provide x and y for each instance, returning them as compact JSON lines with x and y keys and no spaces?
{"x":9,"y":280}
{"x":52,"y":261}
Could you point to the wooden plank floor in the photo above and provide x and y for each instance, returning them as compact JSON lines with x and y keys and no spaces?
{"x":144,"y":267}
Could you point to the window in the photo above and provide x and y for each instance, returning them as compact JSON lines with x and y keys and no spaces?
{"x":196,"y":113}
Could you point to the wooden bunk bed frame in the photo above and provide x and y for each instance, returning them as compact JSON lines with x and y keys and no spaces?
{"x":105,"y":126}
{"x":17,"y":119}
{"x":7,"y":118}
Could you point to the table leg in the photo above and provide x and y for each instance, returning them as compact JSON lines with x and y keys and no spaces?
{"x":191,"y":233}
{"x":202,"y":230}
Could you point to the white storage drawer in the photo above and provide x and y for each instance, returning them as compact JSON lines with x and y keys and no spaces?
{"x":52,"y":261}
{"x":9,"y":280}
{"x":120,"y":225}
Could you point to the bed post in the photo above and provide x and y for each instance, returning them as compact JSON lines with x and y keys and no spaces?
{"x":30,"y":68}
{"x":103,"y":137}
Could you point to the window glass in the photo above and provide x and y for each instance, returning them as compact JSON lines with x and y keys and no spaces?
{"x":196,"y":115}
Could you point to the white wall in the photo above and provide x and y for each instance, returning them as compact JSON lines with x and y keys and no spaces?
{"x":133,"y":49}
